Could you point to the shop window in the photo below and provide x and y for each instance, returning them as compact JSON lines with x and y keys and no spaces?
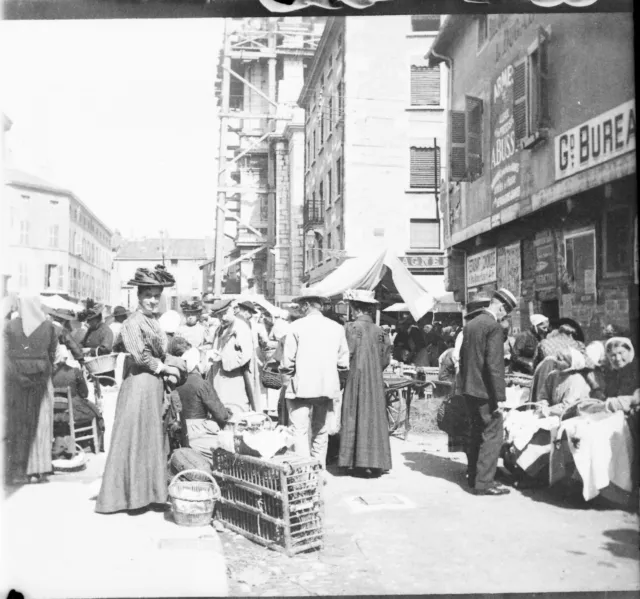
{"x":580,"y":262}
{"x":531,"y":92}
{"x":616,"y":231}
{"x":424,"y":23}
{"x":424,"y":233}
{"x":423,"y":171}
{"x":466,"y":141}
{"x":425,"y":85}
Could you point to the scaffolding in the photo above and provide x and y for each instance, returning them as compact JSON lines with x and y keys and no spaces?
{"x":252,"y":114}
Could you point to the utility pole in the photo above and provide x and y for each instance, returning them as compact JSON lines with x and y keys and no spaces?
{"x":222,"y":160}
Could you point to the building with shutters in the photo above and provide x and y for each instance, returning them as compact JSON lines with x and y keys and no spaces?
{"x":541,"y":190}
{"x":56,"y":245}
{"x":375,"y":122}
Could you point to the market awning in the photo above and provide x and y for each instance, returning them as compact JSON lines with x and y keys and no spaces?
{"x":55,"y":302}
{"x":366,"y":272}
{"x":397,"y":308}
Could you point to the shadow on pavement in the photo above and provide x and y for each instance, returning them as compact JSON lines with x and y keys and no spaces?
{"x":431,"y":465}
{"x":624,"y":543}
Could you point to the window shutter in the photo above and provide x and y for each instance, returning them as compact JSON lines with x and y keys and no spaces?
{"x":423,"y":167}
{"x":425,"y":86}
{"x":458,"y":159}
{"x":543,"y":75}
{"x":474,"y":136}
{"x":520,"y":101}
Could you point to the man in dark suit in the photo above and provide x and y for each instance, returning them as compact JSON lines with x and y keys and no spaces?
{"x":482,"y":373}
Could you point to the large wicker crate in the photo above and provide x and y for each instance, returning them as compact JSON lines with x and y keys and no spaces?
{"x":276,"y":502}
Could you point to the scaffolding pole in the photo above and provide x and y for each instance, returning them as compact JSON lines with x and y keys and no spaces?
{"x":222,"y":159}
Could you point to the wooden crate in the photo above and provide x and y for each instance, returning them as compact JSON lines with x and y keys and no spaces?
{"x":277,"y":502}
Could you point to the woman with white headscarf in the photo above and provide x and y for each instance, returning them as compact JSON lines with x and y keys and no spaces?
{"x":30,"y":343}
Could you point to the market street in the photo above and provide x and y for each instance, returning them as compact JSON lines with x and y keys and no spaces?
{"x":424,"y":533}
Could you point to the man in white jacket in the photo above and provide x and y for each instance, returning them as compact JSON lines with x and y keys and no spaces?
{"x":315,"y":350}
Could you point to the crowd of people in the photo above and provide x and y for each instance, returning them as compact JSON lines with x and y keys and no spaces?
{"x":184,"y":377}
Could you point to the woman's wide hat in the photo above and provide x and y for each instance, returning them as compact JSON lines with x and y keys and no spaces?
{"x":193,"y":307}
{"x":363,"y":296}
{"x":158,"y":277}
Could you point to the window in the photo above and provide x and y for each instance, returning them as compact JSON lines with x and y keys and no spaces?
{"x":24,"y":232}
{"x":264,"y":206}
{"x":174,"y":262}
{"x":580,"y":262}
{"x":483,"y":30}
{"x":321,"y":196}
{"x":423,"y":171}
{"x":421,"y":23}
{"x":466,"y":141}
{"x":425,"y":85}
{"x":531,"y":92}
{"x":339,"y":177}
{"x":424,"y":233}
{"x":60,"y":281}
{"x":308,"y":153}
{"x":321,"y":117}
{"x":313,"y":147}
{"x":329,"y":188}
{"x":329,"y":246}
{"x":50,"y":275}
{"x":616,"y":231}
{"x":340,"y":101}
{"x":330,"y":113}
{"x":338,"y":238}
{"x":23,"y":275}
{"x":53,"y":236}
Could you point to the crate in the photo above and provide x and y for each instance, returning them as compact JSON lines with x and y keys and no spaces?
{"x":277,"y":502}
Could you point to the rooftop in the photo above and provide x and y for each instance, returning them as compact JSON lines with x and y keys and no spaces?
{"x":151,"y":248}
{"x":18,"y":178}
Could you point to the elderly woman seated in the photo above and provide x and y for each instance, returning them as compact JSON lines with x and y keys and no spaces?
{"x":202,"y":411}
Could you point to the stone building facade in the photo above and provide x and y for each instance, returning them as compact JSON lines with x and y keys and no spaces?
{"x":541,"y":190}
{"x":375,"y":122}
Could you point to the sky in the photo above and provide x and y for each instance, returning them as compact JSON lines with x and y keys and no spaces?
{"x":122,"y":113}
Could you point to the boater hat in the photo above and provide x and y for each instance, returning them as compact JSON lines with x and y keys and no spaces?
{"x":364,"y":296}
{"x":309,"y":294}
{"x":507,"y":298}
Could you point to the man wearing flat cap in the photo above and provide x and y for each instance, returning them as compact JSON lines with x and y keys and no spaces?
{"x":526,"y":344}
{"x":482,"y":374}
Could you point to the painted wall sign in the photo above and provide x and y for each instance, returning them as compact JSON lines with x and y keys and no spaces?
{"x":481,"y":268}
{"x":505,"y":157}
{"x":600,"y":139}
{"x":509,"y":268}
{"x":423,"y":261}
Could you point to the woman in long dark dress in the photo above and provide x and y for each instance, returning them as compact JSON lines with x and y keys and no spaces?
{"x":30,"y":343}
{"x":135,"y":472}
{"x":364,"y":432}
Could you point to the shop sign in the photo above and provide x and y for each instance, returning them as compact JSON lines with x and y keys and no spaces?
{"x":481,"y":268}
{"x":505,"y":156}
{"x":545,"y":277}
{"x":423,"y":261}
{"x":598,"y":140}
{"x":509,"y":268}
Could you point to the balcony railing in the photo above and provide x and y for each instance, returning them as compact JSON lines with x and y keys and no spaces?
{"x":313,"y":214}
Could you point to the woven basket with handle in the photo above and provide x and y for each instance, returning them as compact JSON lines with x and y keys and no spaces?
{"x":193,"y":501}
{"x":101,"y":364}
{"x":270,"y":377}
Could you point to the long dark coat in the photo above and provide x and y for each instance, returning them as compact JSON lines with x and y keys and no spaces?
{"x":364,"y":433}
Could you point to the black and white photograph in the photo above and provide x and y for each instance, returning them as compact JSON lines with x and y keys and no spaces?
{"x":319,"y":298}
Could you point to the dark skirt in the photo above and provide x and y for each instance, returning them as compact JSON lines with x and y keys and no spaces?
{"x":28,"y":429}
{"x":135,"y":472}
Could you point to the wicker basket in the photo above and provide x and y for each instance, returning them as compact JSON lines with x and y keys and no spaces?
{"x":193,"y":502}
{"x":101,"y":364}
{"x":271,"y":379}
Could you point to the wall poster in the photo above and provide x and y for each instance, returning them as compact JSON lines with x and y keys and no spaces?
{"x":505,"y":156}
{"x":509,"y":270}
{"x":545,"y":277}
